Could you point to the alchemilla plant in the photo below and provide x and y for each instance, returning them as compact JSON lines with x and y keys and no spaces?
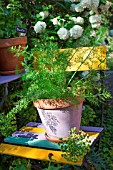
{"x":77,"y":142}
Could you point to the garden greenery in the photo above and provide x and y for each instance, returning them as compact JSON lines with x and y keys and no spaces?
{"x":76,"y":146}
{"x":69,"y":23}
{"x":52,"y":25}
{"x":46,"y":78}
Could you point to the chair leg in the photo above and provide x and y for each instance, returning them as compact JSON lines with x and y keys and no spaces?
{"x":5,"y":94}
{"x":88,"y":166}
{"x":102,"y":105}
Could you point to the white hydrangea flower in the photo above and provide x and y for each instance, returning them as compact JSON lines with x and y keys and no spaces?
{"x":95,"y":19}
{"x":76,"y":31}
{"x":55,"y":21}
{"x":79,"y":8}
{"x":41,"y":14}
{"x":63,"y":33}
{"x":74,"y":19}
{"x":96,"y":25}
{"x":40,"y":26}
{"x":44,"y":14}
{"x":80,"y":20}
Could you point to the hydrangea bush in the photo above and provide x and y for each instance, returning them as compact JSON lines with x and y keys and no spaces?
{"x":73,"y":22}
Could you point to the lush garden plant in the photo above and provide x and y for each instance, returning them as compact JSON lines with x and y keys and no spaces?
{"x":78,"y":143}
{"x":69,"y":23}
{"x":66,"y":23}
{"x":46,"y":78}
{"x":11,"y":17}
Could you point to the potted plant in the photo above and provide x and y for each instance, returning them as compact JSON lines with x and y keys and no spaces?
{"x":57,"y":95}
{"x":9,"y":37}
{"x":46,"y":76}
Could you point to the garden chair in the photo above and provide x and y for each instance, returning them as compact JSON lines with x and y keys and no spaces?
{"x":29,"y":141}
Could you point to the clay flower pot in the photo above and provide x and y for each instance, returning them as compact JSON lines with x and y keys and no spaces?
{"x":9,"y":64}
{"x":58,"y":117}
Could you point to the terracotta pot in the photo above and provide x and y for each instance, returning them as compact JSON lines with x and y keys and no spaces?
{"x":59,"y":119}
{"x":9,"y":64}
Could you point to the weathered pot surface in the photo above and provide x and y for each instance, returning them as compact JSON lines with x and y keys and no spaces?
{"x":58,"y":120}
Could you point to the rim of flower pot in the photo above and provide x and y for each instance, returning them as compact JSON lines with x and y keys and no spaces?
{"x":50,"y":104}
{"x":8,"y":42}
{"x":55,"y":140}
{"x":54,"y":104}
{"x":6,"y":73}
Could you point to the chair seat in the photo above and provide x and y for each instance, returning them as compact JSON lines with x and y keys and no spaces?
{"x":30,"y":142}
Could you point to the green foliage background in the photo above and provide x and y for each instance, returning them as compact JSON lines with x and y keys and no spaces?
{"x":102,"y":158}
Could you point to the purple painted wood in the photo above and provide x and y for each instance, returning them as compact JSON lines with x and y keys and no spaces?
{"x":6,"y":79}
{"x":84,"y":128}
{"x":25,"y":134}
{"x":39,"y":136}
{"x":91,"y":129}
{"x":35,"y":124}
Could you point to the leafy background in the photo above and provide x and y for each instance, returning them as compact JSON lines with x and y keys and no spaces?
{"x":100,"y":158}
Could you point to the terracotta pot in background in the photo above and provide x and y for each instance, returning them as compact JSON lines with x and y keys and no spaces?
{"x":9,"y":64}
